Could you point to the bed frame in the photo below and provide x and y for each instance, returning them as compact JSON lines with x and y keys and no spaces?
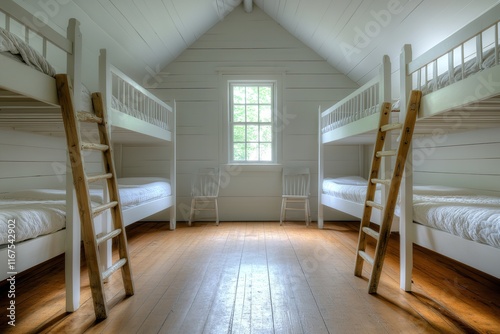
{"x":348,"y":122}
{"x":156,"y":126}
{"x":30,"y":103}
{"x":465,"y":103}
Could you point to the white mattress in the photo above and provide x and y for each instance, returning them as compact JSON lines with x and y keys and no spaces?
{"x":42,"y":211}
{"x":458,"y":211}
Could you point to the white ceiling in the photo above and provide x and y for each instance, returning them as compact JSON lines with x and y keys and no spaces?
{"x":352,"y":35}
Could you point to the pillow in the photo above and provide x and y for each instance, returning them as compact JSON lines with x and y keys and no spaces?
{"x":351,"y":180}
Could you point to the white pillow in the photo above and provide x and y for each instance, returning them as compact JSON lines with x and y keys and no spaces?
{"x":351,"y":180}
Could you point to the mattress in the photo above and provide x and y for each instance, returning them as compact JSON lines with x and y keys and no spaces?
{"x":42,"y":211}
{"x":458,"y":211}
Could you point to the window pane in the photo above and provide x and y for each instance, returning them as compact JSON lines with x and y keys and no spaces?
{"x":266,"y":152}
{"x":252,"y":113}
{"x":252,"y":122}
{"x":239,"y":113}
{"x":239,"y":133}
{"x":265,"y":113}
{"x":265,"y":95}
{"x":252,"y":133}
{"x":238,"y":94}
{"x":239,"y":152}
{"x":266,"y":134}
{"x":252,"y":94}
{"x":253,"y":152}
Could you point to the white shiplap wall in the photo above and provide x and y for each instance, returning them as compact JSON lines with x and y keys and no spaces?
{"x":467,"y":159}
{"x":250,"y":40}
{"x":29,"y":160}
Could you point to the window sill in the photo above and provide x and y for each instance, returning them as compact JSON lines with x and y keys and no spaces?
{"x":252,"y":167}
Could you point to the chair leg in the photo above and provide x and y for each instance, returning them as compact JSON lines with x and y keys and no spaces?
{"x":216,"y":212}
{"x":283,"y":209}
{"x":191,"y":213}
{"x":306,"y":212}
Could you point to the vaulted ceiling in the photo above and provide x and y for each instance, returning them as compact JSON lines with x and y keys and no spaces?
{"x":352,"y":35}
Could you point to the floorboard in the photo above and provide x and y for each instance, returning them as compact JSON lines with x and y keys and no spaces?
{"x":260,"y":277}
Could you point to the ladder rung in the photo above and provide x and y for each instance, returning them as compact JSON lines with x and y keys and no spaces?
{"x":84,"y":116}
{"x":94,"y":146}
{"x":98,"y":209}
{"x":382,"y":181}
{"x":117,"y":265}
{"x":366,"y":257}
{"x":389,"y":153}
{"x":95,"y":178}
{"x":375,"y":205}
{"x":108,"y":236}
{"x":391,"y":126}
{"x":371,"y":232}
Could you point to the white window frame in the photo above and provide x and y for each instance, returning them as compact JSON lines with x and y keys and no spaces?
{"x":225,"y":80}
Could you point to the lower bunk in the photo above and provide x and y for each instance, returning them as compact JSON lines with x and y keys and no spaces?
{"x":459,"y":223}
{"x":34,"y":221}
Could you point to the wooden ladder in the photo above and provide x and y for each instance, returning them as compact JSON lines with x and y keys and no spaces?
{"x":81,"y":180}
{"x":382,"y":235}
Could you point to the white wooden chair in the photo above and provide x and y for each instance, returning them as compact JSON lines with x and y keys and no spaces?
{"x":295,"y":196}
{"x":204,"y":193}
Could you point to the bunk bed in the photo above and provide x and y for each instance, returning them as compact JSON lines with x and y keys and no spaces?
{"x":468,"y":99}
{"x":459,"y":81}
{"x":137,"y":116}
{"x":352,"y":121}
{"x":29,"y":102}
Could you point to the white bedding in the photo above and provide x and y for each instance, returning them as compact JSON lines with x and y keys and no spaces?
{"x":458,"y":211}
{"x":42,"y":211}
{"x":16,"y":46}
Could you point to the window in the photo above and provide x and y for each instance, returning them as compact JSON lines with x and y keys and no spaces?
{"x":252,"y":119}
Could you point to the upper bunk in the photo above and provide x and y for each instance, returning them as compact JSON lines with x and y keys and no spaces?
{"x":28,"y":95}
{"x":459,"y":78}
{"x":354,"y":119}
{"x":135,"y":114}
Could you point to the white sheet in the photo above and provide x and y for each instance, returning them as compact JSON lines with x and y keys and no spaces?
{"x":458,"y":211}
{"x":42,"y":211}
{"x":32,"y":218}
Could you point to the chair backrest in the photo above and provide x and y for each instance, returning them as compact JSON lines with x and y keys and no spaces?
{"x":206,"y":183}
{"x":296,"y":181}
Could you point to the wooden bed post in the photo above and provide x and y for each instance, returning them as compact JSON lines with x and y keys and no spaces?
{"x":406,"y":190}
{"x":73,"y":231}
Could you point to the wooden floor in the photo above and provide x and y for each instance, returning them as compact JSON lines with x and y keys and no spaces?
{"x":260,"y":278}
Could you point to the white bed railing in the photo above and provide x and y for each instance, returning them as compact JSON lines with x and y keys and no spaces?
{"x":126,"y":96}
{"x":359,"y":104}
{"x":363,"y":102}
{"x":46,"y":41}
{"x":470,"y":50}
{"x":134,"y":100}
